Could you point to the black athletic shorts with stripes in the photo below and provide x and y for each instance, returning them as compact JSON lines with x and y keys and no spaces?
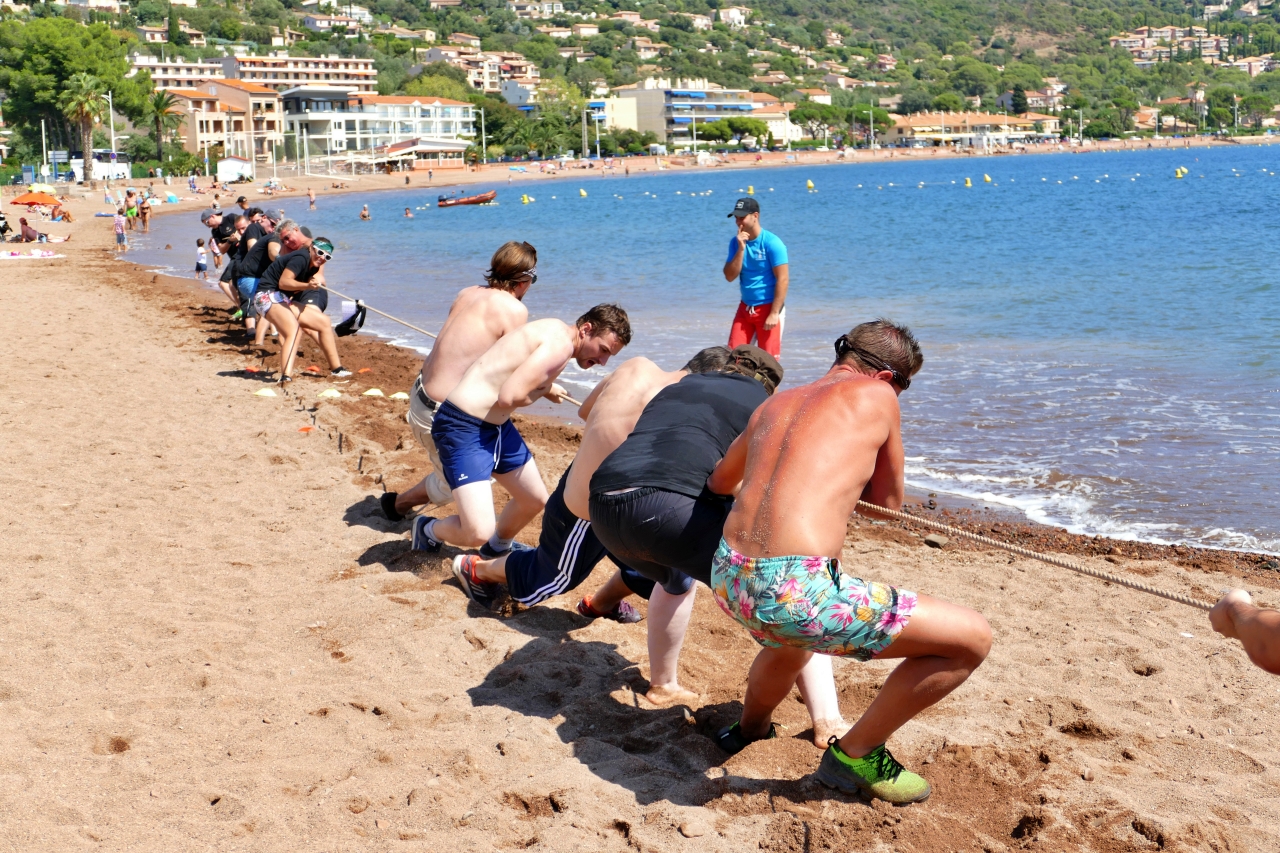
{"x":568,"y":551}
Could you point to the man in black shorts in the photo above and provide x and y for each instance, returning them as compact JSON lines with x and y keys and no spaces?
{"x":649,"y":502}
{"x":222,"y":230}
{"x":567,"y":549}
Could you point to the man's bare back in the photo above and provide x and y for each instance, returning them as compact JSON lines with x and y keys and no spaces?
{"x":811,"y":454}
{"x":479,"y":316}
{"x":611,"y":412}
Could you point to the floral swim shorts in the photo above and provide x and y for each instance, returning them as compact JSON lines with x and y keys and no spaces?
{"x":808,"y":603}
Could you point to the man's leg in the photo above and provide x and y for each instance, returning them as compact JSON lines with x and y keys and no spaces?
{"x":769,"y":340}
{"x":528,"y":497}
{"x":474,"y":523}
{"x":743,"y":329}
{"x":817,"y":687}
{"x":773,"y":674}
{"x":668,"y":620}
{"x":942,"y":644}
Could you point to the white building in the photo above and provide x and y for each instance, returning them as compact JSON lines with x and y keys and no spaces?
{"x":671,"y":111}
{"x":735,"y":16}
{"x":175,"y":71}
{"x":329,"y":23}
{"x":362,"y":128}
{"x":281,"y":71}
{"x":112,"y":6}
{"x":534,"y":9}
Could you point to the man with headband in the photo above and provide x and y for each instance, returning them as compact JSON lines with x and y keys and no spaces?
{"x":798,"y":470}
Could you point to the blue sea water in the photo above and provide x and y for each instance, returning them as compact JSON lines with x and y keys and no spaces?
{"x":1099,"y":335}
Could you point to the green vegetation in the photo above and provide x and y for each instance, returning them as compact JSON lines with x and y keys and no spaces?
{"x":945,"y":56}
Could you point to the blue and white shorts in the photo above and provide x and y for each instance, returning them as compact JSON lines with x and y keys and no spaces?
{"x":472,"y":450}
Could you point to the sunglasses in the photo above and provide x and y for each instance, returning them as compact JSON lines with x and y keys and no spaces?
{"x":321,"y":254}
{"x":532,"y":276}
{"x":843,"y":346}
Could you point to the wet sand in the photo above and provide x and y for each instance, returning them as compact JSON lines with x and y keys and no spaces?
{"x":214,"y":641}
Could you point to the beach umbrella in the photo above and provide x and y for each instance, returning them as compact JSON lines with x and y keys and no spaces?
{"x":31,"y":199}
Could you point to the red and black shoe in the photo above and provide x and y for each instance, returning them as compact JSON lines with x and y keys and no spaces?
{"x":464,"y":569}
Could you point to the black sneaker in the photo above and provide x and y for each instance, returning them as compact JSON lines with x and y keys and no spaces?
{"x":421,"y":541}
{"x":478,"y":591}
{"x":732,"y":740}
{"x":487,"y":551}
{"x":388,"y":501}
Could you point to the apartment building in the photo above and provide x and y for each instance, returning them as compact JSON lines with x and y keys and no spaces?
{"x":967,"y":128}
{"x":280,"y":71}
{"x":261,"y":107}
{"x":670,"y":109}
{"x":776,"y":115}
{"x":338,"y":121}
{"x":175,"y":72}
{"x":209,"y":123}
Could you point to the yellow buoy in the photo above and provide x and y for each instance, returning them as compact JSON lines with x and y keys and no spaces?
{"x":582,"y":193}
{"x":524,"y":199}
{"x":373,"y":392}
{"x":808,"y":185}
{"x":986,"y":178}
{"x":751,"y":190}
{"x":968,"y":182}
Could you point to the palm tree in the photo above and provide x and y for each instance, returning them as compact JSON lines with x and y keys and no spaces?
{"x":83,"y":101}
{"x":162,"y":110}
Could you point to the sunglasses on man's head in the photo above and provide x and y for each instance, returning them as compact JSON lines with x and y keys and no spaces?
{"x":843,"y":346}
{"x":532,"y":276}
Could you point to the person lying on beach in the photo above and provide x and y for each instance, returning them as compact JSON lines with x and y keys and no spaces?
{"x":478,"y":317}
{"x":1236,"y":617}
{"x":568,"y":549}
{"x":290,"y":275}
{"x":798,"y":470}
{"x":648,"y":503}
{"x":27,"y":234}
{"x":476,"y":439}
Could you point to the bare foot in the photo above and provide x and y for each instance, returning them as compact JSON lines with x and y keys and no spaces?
{"x":824,"y":730}
{"x":665,"y":696}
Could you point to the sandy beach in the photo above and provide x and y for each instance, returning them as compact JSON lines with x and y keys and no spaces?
{"x":216,"y":642}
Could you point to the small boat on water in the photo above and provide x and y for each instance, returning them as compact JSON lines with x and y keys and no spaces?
{"x":483,"y":198}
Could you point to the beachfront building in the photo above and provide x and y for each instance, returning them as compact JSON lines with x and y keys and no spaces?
{"x":209,"y":123}
{"x":174,"y":72}
{"x":776,"y":115}
{"x":671,"y":112}
{"x":280,"y":71}
{"x":360,"y":129}
{"x":965,"y":129}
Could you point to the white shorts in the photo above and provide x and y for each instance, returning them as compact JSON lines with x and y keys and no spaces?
{"x":420,"y":418}
{"x":264,"y":299}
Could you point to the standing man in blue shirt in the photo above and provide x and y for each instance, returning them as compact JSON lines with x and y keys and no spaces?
{"x":758,"y":259}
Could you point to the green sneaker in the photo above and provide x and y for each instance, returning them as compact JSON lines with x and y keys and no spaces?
{"x":876,"y":774}
{"x":238,"y":315}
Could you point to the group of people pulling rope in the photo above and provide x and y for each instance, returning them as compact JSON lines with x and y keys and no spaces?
{"x":706,"y":474}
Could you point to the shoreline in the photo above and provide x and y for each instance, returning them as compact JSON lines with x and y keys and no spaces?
{"x":211,"y":622}
{"x":644,"y":166}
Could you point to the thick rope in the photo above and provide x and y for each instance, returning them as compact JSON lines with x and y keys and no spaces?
{"x":1044,"y":558}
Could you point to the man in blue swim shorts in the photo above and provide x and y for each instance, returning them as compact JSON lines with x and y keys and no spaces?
{"x":476,"y":439}
{"x":804,"y":461}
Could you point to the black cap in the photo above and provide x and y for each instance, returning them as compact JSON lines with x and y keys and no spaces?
{"x":242,"y":198}
{"x":745,"y":207}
